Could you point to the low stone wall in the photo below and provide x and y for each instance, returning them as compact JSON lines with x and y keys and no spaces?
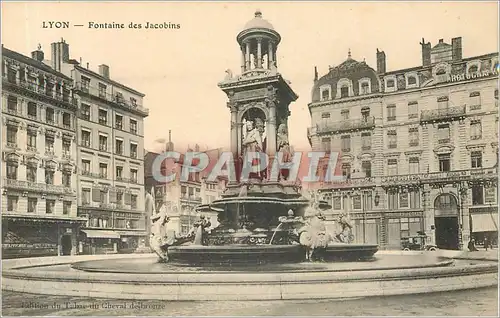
{"x":241,"y":286}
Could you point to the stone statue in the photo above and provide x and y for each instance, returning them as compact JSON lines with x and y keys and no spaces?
{"x":345,"y":234}
{"x":252,"y":140}
{"x":314,"y":236}
{"x":158,"y":238}
{"x":229,"y":74}
{"x":284,"y":147}
{"x":201,"y":226}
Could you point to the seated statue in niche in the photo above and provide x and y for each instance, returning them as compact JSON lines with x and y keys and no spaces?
{"x":283,"y":147}
{"x":252,"y":142}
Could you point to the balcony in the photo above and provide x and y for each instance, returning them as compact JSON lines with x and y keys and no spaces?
{"x":41,"y":91}
{"x":443,"y":115}
{"x":38,"y":187}
{"x":111,"y":98}
{"x":347,"y":125}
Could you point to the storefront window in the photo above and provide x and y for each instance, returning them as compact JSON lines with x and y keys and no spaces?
{"x":337,"y":203}
{"x":490,"y":194}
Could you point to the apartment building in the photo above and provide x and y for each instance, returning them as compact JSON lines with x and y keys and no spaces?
{"x":418,"y":146}
{"x":39,"y":187}
{"x":110,"y":143}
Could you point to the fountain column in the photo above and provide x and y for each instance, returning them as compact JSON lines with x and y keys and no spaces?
{"x":234,"y":128}
{"x":271,"y":127}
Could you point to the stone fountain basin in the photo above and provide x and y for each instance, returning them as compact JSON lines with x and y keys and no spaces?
{"x":263,"y":254}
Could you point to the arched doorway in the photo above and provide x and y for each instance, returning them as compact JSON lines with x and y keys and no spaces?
{"x":66,"y":245}
{"x":446,"y":222}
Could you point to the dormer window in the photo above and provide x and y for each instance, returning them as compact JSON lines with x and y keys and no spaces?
{"x":390,"y":83}
{"x":412,"y":80}
{"x":441,"y":71}
{"x":473,"y":69}
{"x":364,"y":86}
{"x":325,"y":92}
{"x":325,"y":115}
{"x":344,"y":91}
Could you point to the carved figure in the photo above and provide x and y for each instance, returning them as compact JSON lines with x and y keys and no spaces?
{"x":345,"y":234}
{"x":200,"y":227}
{"x":158,"y":238}
{"x":252,"y":140}
{"x":229,"y":74}
{"x":313,"y":236}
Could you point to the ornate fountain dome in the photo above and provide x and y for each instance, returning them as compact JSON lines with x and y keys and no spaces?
{"x":357,"y":78}
{"x":258,"y":27}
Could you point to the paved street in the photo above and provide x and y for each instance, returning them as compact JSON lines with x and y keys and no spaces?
{"x":481,"y":302}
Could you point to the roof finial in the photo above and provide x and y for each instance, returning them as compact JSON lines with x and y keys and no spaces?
{"x":170,"y":136}
{"x":39,"y":46}
{"x":258,"y":13}
{"x":349,"y":53}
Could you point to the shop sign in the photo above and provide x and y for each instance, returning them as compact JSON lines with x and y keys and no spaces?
{"x":35,"y":245}
{"x":463,"y":76}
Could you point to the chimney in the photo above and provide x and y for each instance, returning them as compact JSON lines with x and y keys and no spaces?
{"x":60,"y":54}
{"x":170,"y":145}
{"x":426,"y":52}
{"x":315,"y":73}
{"x":456,"y":49}
{"x":104,"y":70}
{"x":38,"y":54}
{"x":381,"y":69}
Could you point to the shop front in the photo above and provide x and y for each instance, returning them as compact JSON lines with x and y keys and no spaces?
{"x":401,"y":224}
{"x":484,"y":225}
{"x":94,"y":242}
{"x":130,"y":241}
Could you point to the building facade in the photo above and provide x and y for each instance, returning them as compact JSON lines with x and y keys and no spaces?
{"x":39,"y":188}
{"x":418,"y":146}
{"x":110,"y":143}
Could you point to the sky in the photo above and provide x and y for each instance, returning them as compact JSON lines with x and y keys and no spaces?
{"x":178,"y":69}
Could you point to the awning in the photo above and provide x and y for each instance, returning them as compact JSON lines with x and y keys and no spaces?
{"x":101,"y":234}
{"x":484,"y":222}
{"x":132,"y":233}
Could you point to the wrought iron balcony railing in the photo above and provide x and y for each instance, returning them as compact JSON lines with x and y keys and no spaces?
{"x":113,"y":98}
{"x":444,"y":114}
{"x":346,"y":125}
{"x":41,"y":90}
{"x":39,"y":187}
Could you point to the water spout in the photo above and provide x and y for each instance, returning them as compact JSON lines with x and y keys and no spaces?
{"x":275,"y":230}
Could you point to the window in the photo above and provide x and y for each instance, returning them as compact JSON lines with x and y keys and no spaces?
{"x":85,"y":167}
{"x":49,"y":206}
{"x":32,"y":110}
{"x":11,"y":75}
{"x":12,"y":105}
{"x":85,"y":112}
{"x":473,"y":69}
{"x":133,"y":126}
{"x":103,"y":117}
{"x":32,"y":202}
{"x":133,"y":175}
{"x":345,"y":114}
{"x":412,"y":80}
{"x":133,"y":201}
{"x":49,"y":176}
{"x":85,"y":84}
{"x":365,"y":88}
{"x":475,"y":130}
{"x":119,"y":98}
{"x":119,"y":173}
{"x":403,"y":199}
{"x":31,"y":140}
{"x":66,"y":120}
{"x":118,"y":122}
{"x":11,"y":136}
{"x":412,"y":110}
{"x":66,"y":179}
{"x":119,"y":198}
{"x":414,"y":196}
{"x":356,"y":202}
{"x":346,"y":143}
{"x":392,"y":167}
{"x":49,"y":115}
{"x":133,"y":150}
{"x":475,"y":100}
{"x":325,"y":94}
{"x":414,"y":165}
{"x":391,"y":112}
{"x":85,"y":196}
{"x":392,"y":200}
{"x":442,"y":102}
{"x":103,"y":197}
{"x":31,"y":173}
{"x":413,"y":136}
{"x":444,"y":163}
{"x":326,"y":144}
{"x":12,"y":203}
{"x":66,"y":147}
{"x":366,"y":141}
{"x":49,"y":144}
{"x":85,"y":138}
{"x":390,"y":83}
{"x":490,"y":194}
{"x":66,"y":207}
{"x":346,"y":170}
{"x":366,"y":166}
{"x":103,"y":170}
{"x":477,"y":195}
{"x":11,"y":171}
{"x":325,"y":115}
{"x":337,"y":203}
{"x":476,"y":158}
{"x":103,"y":143}
{"x":443,"y":134}
{"x":392,"y":139}
{"x":344,"y":91}
{"x":119,"y":147}
{"x":102,"y":90}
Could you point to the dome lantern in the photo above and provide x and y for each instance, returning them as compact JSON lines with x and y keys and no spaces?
{"x":258,"y":42}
